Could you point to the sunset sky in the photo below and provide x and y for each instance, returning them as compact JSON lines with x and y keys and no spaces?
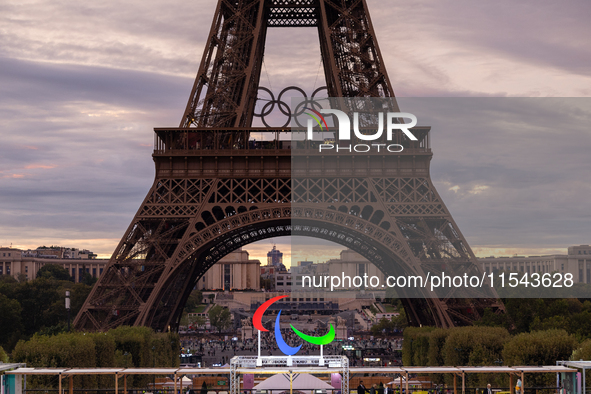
{"x":82,"y":85}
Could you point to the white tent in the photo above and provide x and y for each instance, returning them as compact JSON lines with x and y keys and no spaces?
{"x":186,"y":383}
{"x":303,"y":382}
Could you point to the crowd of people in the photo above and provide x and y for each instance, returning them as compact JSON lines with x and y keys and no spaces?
{"x":216,"y":351}
{"x":375,"y":389}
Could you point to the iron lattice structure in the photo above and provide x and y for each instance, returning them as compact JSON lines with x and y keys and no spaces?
{"x":215,"y":190}
{"x":225,"y":90}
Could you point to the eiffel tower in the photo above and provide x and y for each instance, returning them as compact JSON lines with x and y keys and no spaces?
{"x":215,"y":190}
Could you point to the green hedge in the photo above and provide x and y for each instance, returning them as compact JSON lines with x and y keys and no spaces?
{"x":415,"y":347}
{"x":474,"y":346}
{"x":539,"y":348}
{"x":481,"y":345}
{"x":3,"y":356}
{"x":583,"y":352}
{"x":455,"y":346}
{"x":120,"y":347}
{"x":436,"y":342}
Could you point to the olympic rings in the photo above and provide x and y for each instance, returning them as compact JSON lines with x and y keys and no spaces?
{"x":284,"y":108}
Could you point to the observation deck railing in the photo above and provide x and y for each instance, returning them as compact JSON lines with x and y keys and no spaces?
{"x":237,"y":141}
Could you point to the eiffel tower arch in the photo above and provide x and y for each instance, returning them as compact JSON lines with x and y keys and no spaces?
{"x":215,"y":190}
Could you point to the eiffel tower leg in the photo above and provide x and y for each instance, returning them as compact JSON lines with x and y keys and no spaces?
{"x":353,"y":63}
{"x":127,"y":282}
{"x":225,"y":89}
{"x":184,"y":226}
{"x":401,"y":225}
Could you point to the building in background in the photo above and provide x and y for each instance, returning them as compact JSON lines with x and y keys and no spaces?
{"x":283,"y":281}
{"x":233,"y":272}
{"x":275,"y":258}
{"x":237,"y":272}
{"x":59,"y":252}
{"x":268,"y":272}
{"x":576,"y":262}
{"x":349,"y":264}
{"x":26,"y":263}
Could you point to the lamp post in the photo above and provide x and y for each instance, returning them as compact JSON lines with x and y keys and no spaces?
{"x":68,"y":307}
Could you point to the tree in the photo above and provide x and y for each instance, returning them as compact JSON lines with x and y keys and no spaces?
{"x":79,"y":294}
{"x":220,"y":317}
{"x":383,"y":326}
{"x":200,"y":321}
{"x":539,"y":348}
{"x":53,"y":271}
{"x":37,"y":299}
{"x":377,"y":328}
{"x":491,"y":319}
{"x":10,"y":323}
{"x":7,"y":285}
{"x":88,"y":279}
{"x":40,"y":304}
{"x":415,"y":347}
{"x":583,"y":351}
{"x":3,"y":356}
{"x":401,"y":321}
{"x":121,"y":347}
{"x":193,"y":301}
{"x":475,"y":346}
{"x":193,"y":322}
{"x":580,"y":324}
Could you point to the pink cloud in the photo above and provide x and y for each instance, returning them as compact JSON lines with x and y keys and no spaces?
{"x":42,"y":166}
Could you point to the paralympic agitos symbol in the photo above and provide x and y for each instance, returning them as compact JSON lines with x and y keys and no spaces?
{"x":284,"y":347}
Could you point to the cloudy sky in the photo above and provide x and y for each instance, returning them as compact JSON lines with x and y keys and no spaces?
{"x":82,"y":84}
